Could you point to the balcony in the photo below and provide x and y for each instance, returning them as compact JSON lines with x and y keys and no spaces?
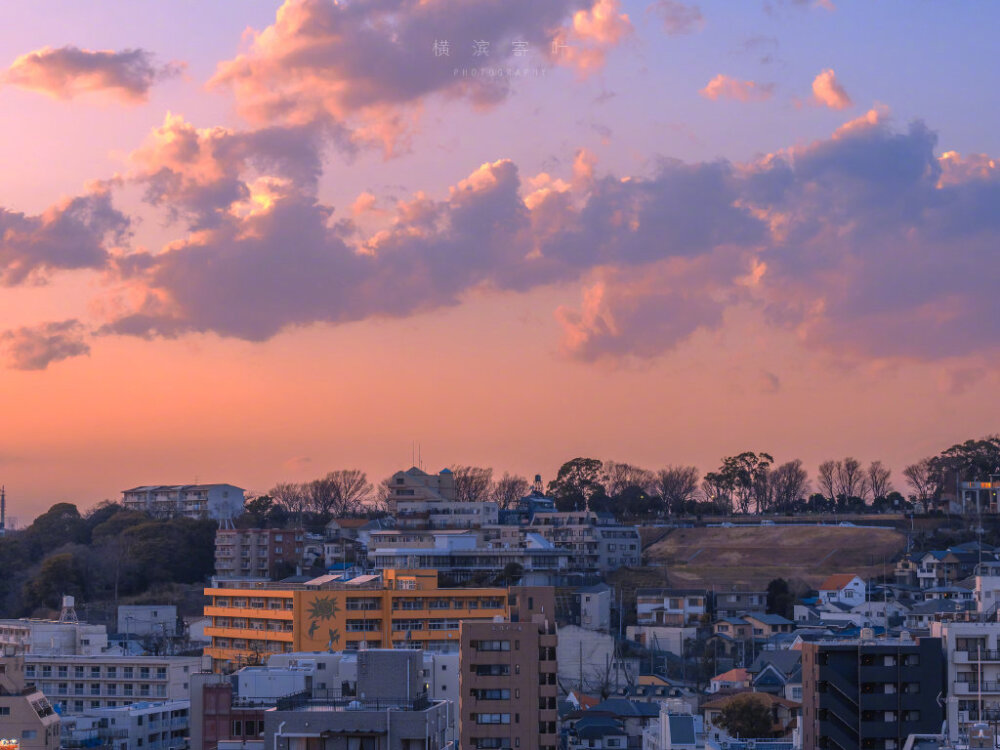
{"x":974,"y":656}
{"x":972,"y":688}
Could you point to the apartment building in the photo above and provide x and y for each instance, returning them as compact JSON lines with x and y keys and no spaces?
{"x":148,"y":619}
{"x":162,"y":725}
{"x":736,"y":603}
{"x":391,"y":609}
{"x":390,"y":711}
{"x":215,"y":501}
{"x":31,"y":636}
{"x":870,"y":693}
{"x":508,"y":677}
{"x":417,"y":484}
{"x":26,"y":716}
{"x":676,"y":607}
{"x":972,"y":657}
{"x":463,"y":556}
{"x":76,"y":684}
{"x":598,"y":543}
{"x":258,"y":553}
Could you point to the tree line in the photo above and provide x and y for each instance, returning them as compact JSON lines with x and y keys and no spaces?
{"x":747,"y":483}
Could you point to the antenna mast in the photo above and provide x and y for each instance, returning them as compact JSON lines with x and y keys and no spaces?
{"x":3,"y":510}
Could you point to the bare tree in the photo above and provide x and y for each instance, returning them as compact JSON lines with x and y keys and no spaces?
{"x":289,"y":495}
{"x":472,"y":483}
{"x":676,"y":485}
{"x":921,"y":478}
{"x":508,"y":490}
{"x":849,"y":478}
{"x":351,"y":490}
{"x":877,"y":481}
{"x":789,"y":483}
{"x":826,"y":481}
{"x":320,"y":495}
{"x":620,"y":476}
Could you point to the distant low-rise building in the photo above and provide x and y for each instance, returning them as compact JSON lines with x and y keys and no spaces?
{"x":148,"y":619}
{"x":31,"y":636}
{"x":257,"y":553}
{"x":79,"y":683}
{"x":200,"y":501}
{"x":675,"y":607}
{"x":599,"y":544}
{"x":842,"y":588}
{"x":162,"y":725}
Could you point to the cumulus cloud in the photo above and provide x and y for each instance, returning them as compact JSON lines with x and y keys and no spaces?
{"x":828,"y":92}
{"x":36,"y":347}
{"x":678,"y":17}
{"x":724,"y":87}
{"x":369,"y":66}
{"x":72,"y":234}
{"x":67,"y":72}
{"x":864,"y":244}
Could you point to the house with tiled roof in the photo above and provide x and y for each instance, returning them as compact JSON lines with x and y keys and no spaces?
{"x":784,"y":714}
{"x":843,"y":588}
{"x":733,"y":680}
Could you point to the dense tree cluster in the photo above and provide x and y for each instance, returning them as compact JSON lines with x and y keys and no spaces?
{"x":107,"y":553}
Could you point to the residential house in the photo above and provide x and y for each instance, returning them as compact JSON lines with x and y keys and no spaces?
{"x":732,"y":681}
{"x":765,"y":625}
{"x":736,"y":602}
{"x":784,"y":715}
{"x":842,"y":588}
{"x":676,"y":607}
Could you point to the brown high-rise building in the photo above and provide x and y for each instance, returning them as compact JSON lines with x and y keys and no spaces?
{"x":508,"y":685}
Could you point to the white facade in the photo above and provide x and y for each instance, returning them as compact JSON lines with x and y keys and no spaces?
{"x":851,"y":592}
{"x":199,"y":501}
{"x":147,"y":619}
{"x":972,"y":654}
{"x":81,"y":683}
{"x":53,"y":637}
{"x":147,"y":726}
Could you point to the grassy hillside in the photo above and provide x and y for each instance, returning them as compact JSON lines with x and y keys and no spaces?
{"x":754,"y":555}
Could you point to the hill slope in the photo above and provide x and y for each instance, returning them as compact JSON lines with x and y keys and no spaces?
{"x":754,"y":555}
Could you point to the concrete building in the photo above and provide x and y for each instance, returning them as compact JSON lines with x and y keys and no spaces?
{"x":215,"y":501}
{"x":393,"y":609}
{"x":53,"y":636}
{"x":258,"y":553}
{"x":508,"y":677}
{"x":736,"y":602}
{"x":972,"y":657}
{"x":588,"y":661}
{"x":598,"y":542}
{"x":463,"y":557}
{"x":673,"y":607}
{"x":79,"y":683}
{"x":870,"y":693}
{"x":148,"y":619}
{"x":391,"y":711}
{"x":26,"y":716}
{"x":163,"y":725}
{"x":417,"y":484}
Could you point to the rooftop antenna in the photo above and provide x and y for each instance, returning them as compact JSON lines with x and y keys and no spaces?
{"x":420,"y":459}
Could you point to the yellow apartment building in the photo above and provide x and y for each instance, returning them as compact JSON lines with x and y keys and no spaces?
{"x":393,"y":609}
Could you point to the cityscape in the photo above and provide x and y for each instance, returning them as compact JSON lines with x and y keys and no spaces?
{"x":499,"y":375}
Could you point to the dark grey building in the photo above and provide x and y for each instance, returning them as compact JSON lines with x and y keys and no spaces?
{"x":869,"y":693}
{"x":391,"y":711}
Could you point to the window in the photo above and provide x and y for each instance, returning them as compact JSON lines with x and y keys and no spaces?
{"x":95,"y":673}
{"x":78,"y":672}
{"x":4,"y":710}
{"x":492,"y":718}
{"x":29,"y":734}
{"x":64,"y":671}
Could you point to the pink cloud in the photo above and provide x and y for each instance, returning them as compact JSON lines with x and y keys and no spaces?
{"x":724,"y":87}
{"x":369,"y":67}
{"x":36,"y":347}
{"x":828,"y":92}
{"x":68,"y":72}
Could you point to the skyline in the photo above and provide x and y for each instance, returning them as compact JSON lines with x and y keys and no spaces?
{"x":254,"y":243}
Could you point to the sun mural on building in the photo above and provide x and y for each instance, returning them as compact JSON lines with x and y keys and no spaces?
{"x":324,"y":608}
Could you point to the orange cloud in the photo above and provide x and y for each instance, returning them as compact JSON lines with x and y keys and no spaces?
{"x":67,"y":72}
{"x":724,"y":87}
{"x":828,"y":91}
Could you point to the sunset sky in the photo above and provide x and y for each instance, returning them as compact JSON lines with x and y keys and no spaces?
{"x":251,"y":242}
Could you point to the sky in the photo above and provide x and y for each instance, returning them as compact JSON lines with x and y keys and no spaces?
{"x":253,"y":242}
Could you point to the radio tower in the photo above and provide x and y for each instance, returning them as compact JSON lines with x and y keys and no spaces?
{"x":3,"y":511}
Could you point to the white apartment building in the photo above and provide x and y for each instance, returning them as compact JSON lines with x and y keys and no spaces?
{"x":597,"y":541}
{"x":162,"y":725}
{"x":147,"y":619}
{"x":199,"y":501}
{"x":80,"y":683}
{"x":972,"y":655}
{"x":53,"y":637}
